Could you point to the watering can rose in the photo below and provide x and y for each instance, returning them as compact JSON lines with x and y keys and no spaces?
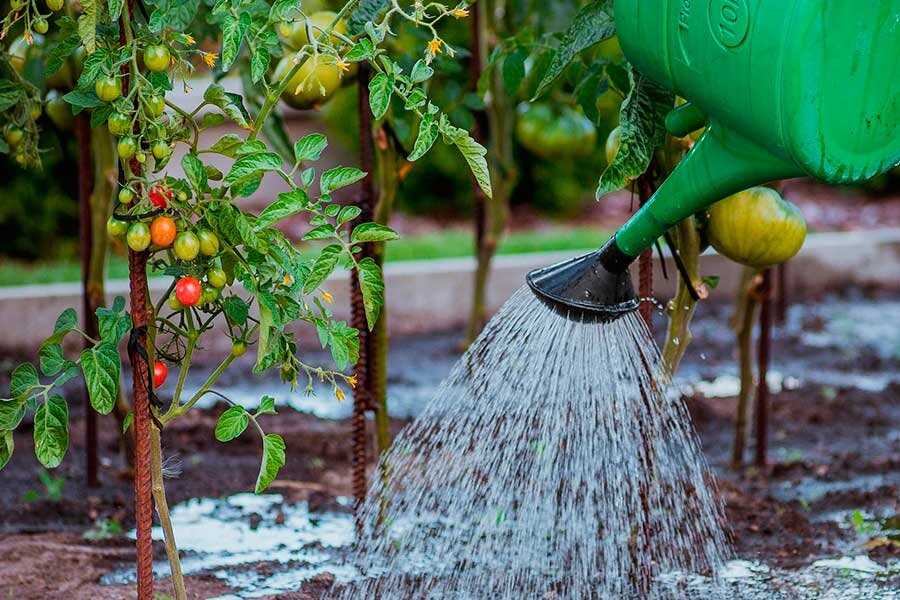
{"x":756,"y":227}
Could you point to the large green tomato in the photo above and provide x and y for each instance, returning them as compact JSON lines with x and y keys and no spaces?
{"x":118,"y":124}
{"x":613,"y":142}
{"x":313,"y":83}
{"x":187,"y":246}
{"x":108,"y":88}
{"x":209,"y":242}
{"x":154,"y":105}
{"x":13,"y":135}
{"x":59,"y":111}
{"x":116,"y":228}
{"x":126,"y":148}
{"x":293,"y":33}
{"x":161,"y":149}
{"x":138,"y":237}
{"x":550,"y":133}
{"x":756,"y":227}
{"x":157,"y":58}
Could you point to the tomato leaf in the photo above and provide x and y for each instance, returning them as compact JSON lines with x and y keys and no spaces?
{"x":252,"y":164}
{"x":593,"y":24}
{"x":236,"y":310}
{"x":287,"y":204}
{"x":24,"y":379}
{"x":115,"y":9}
{"x":324,"y":231}
{"x":364,"y":49}
{"x":310,"y":147}
{"x":113,"y":321}
{"x":173,"y":14}
{"x":101,"y":366}
{"x":230,"y":103}
{"x":65,"y":322}
{"x":233,"y":31}
{"x":371,"y":284}
{"x":339,"y":177}
{"x":372,"y":232}
{"x":6,"y":447}
{"x":343,"y":342}
{"x":87,"y":25}
{"x":52,"y":360}
{"x":380,"y":89}
{"x":259,"y":64}
{"x":347,"y":214}
{"x":473,"y":153}
{"x":193,"y":169}
{"x":266,"y":406}
{"x":51,"y":431}
{"x":231,"y":423}
{"x":322,"y":267}
{"x":227,"y":145}
{"x":428,"y":133}
{"x":273,"y":460}
{"x":11,"y":413}
{"x":642,"y":119}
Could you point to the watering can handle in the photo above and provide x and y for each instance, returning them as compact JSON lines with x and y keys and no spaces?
{"x":720,"y":164}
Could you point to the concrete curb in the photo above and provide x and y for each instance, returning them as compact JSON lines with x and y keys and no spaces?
{"x":434,"y":295}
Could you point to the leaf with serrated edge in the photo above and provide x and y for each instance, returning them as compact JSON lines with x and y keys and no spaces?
{"x":101,"y":367}
{"x":310,"y":147}
{"x":232,"y":423}
{"x":287,"y":204}
{"x":371,"y":284}
{"x":273,"y":460}
{"x":51,"y":431}
{"x":380,"y":89}
{"x":339,"y":177}
{"x":373,"y":232}
{"x":322,"y":267}
{"x":266,"y":406}
{"x":24,"y":378}
{"x":6,"y":447}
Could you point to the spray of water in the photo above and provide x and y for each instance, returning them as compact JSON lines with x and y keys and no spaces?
{"x":549,"y":464}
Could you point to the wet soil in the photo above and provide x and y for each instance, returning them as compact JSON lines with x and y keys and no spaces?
{"x":833,"y":450}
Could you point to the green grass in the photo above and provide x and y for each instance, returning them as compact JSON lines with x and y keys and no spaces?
{"x":452,"y":243}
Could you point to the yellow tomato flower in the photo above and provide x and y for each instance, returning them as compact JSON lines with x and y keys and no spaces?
{"x":460,"y":12}
{"x":209,"y":58}
{"x":339,"y":394}
{"x":434,"y":46}
{"x":327,"y":297}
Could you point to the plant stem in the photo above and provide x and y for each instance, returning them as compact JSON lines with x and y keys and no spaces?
{"x":179,"y":409}
{"x":742,"y":322}
{"x":162,"y":509}
{"x":682,"y":306}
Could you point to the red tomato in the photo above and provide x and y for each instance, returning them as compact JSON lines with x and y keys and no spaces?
{"x":188,"y":291}
{"x":160,"y":372}
{"x":160,"y":196}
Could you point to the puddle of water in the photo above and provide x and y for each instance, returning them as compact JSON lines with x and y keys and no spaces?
{"x":811,"y":489}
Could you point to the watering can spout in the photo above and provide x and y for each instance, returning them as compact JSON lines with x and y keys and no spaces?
{"x":596,"y":286}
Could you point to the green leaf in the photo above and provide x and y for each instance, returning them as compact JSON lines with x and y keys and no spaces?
{"x":364,"y":49}
{"x":252,"y":164}
{"x":266,"y":406}
{"x":227,"y":145}
{"x":642,"y":121}
{"x":347,"y":214}
{"x":287,"y":204}
{"x":364,"y":15}
{"x":380,"y":89}
{"x":231,"y":104}
{"x":115,"y":9}
{"x":101,"y":366}
{"x":371,"y":285}
{"x":273,"y":459}
{"x":324,"y":231}
{"x":372,"y":232}
{"x":51,"y":431}
{"x":428,"y":133}
{"x":343,"y":341}
{"x":420,"y":72}
{"x":310,"y":147}
{"x":65,"y":322}
{"x":259,"y":64}
{"x":24,"y":379}
{"x":236,"y":310}
{"x":284,"y":10}
{"x":193,"y":169}
{"x":513,"y":71}
{"x":233,"y":31}
{"x":11,"y":413}
{"x":114,"y":322}
{"x":10,"y":94}
{"x":232,"y":423}
{"x":593,"y":24}
{"x":339,"y":177}
{"x":52,"y":360}
{"x":66,"y":44}
{"x":87,"y":25}
{"x":71,"y":372}
{"x":473,"y":153}
{"x":173,"y":14}
{"x":79,"y":100}
{"x":322,"y":267}
{"x":211,"y":119}
{"x":127,"y":421}
{"x":6,"y":447}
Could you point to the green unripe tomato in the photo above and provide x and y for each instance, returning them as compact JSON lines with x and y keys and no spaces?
{"x":293,"y":33}
{"x":154,"y":105}
{"x":612,"y":144}
{"x":140,"y":157}
{"x":13,"y":135}
{"x":35,"y":112}
{"x":161,"y":149}
{"x":118,"y":124}
{"x":182,"y":195}
{"x":138,"y":237}
{"x":116,"y":228}
{"x":187,"y":246}
{"x":238,"y":348}
{"x":210,"y":295}
{"x":126,"y":196}
{"x":108,"y":88}
{"x":313,"y":84}
{"x":16,"y":4}
{"x":174,"y":303}
{"x":40,"y":25}
{"x":217,"y":278}
{"x":59,"y":111}
{"x":21,"y":159}
{"x":55,"y":5}
{"x":209,"y":242}
{"x":157,"y":58}
{"x":126,"y":148}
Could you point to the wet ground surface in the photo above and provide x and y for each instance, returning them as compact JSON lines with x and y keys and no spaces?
{"x":819,"y":522}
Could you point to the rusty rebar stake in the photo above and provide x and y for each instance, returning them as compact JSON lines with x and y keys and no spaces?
{"x":763,"y":351}
{"x":88,"y":310}
{"x":363,"y":370}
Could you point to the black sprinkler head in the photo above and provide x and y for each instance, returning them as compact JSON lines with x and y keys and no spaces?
{"x":595,"y":287}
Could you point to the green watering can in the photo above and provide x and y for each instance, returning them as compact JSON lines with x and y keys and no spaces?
{"x":787,"y":88}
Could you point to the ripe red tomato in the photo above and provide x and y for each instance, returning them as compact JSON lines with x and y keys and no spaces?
{"x":160,"y":196}
{"x":160,"y":372}
{"x":188,"y":291}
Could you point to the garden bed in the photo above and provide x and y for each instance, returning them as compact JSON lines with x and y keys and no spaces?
{"x":834,"y":477}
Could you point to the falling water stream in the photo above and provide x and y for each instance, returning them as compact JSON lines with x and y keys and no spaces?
{"x":549,"y":464}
